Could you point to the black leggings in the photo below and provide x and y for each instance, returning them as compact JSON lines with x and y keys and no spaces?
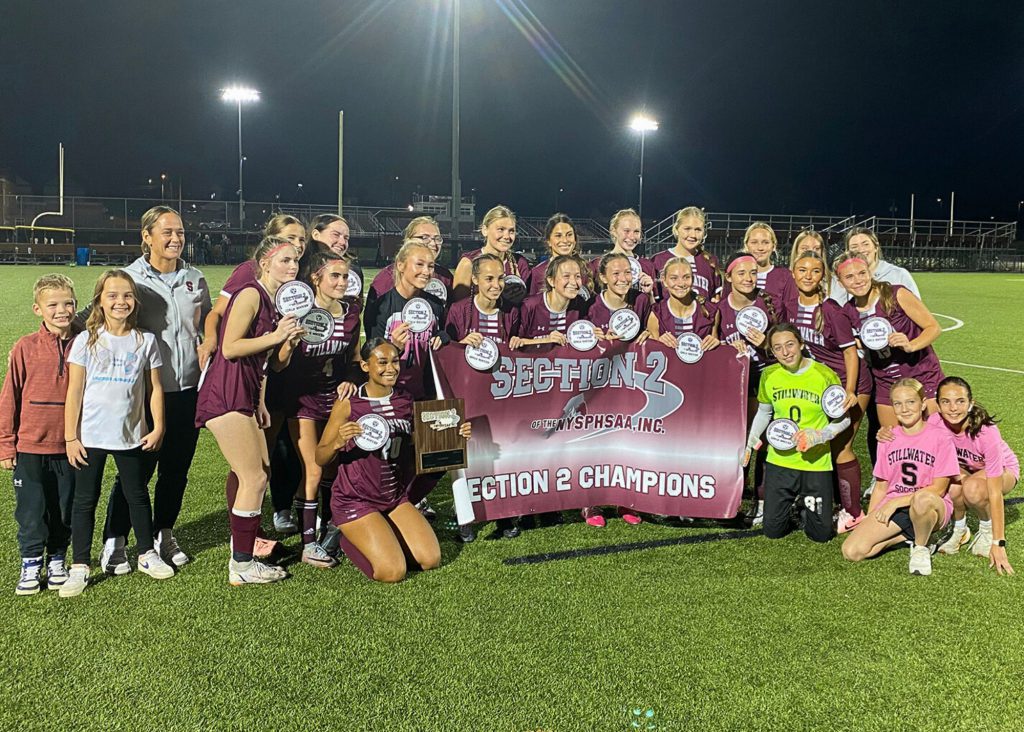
{"x":132,"y":469}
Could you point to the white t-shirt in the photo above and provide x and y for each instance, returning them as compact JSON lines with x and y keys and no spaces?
{"x":114,"y":404}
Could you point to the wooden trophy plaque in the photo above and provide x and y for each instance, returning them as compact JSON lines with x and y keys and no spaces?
{"x":436,"y":435}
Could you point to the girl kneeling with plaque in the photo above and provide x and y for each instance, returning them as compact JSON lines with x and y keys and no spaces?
{"x":913,"y":473}
{"x":798,"y":430}
{"x":371,"y":434}
{"x":896,"y":330}
{"x":231,"y":400}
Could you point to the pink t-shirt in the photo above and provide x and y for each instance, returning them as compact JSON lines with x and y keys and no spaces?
{"x":912,"y":462}
{"x":988,"y":451}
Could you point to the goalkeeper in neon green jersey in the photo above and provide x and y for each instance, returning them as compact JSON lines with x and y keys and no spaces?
{"x":790,"y":412}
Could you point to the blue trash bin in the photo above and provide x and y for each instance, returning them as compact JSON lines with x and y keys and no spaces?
{"x":82,"y":256}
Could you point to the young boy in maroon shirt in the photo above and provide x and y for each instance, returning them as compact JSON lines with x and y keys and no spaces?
{"x":32,"y":435}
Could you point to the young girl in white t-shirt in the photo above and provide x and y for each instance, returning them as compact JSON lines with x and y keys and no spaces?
{"x":113,"y":368}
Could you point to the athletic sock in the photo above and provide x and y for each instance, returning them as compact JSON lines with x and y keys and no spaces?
{"x":985,"y":526}
{"x":849,"y":486}
{"x":308,"y":522}
{"x":244,"y":525}
{"x":960,"y":524}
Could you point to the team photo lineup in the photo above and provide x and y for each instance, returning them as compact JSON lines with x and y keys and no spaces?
{"x":306,"y":376}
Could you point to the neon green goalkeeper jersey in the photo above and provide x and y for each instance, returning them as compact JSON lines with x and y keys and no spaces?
{"x":798,"y":397}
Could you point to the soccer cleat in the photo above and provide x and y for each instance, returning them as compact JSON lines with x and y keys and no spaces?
{"x":56,"y":572}
{"x":315,"y":555}
{"x":167,"y":547}
{"x":78,"y":580}
{"x":253,"y":573}
{"x":467,"y":533}
{"x":956,"y":540}
{"x":757,"y":515}
{"x":871,"y":487}
{"x":982,"y":544}
{"x":593,"y":517}
{"x":150,"y":563}
{"x":845,"y":522}
{"x":920,"y":560}
{"x":284,"y":522}
{"x":630,"y":516}
{"x":330,"y":540}
{"x":114,"y":558}
{"x":29,"y":583}
{"x":427,"y":510}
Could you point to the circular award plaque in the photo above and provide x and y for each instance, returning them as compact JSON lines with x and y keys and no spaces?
{"x":294,"y":298}
{"x":375,"y":432}
{"x":581,"y":335}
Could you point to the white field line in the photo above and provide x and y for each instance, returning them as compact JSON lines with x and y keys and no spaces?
{"x":957,"y":323}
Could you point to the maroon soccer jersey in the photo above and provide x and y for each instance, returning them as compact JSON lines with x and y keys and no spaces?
{"x":537,"y":320}
{"x":889,"y":365}
{"x":778,"y":282}
{"x":728,"y":334}
{"x":415,"y":375}
{"x":375,"y":481}
{"x":234,"y":385}
{"x":465,"y":317}
{"x":315,"y":370}
{"x":599,"y":312}
{"x":244,"y":274}
{"x":826,"y":340}
{"x":706,"y":280}
{"x":701,"y":321}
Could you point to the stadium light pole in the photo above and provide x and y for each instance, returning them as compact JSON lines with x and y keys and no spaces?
{"x":643,"y":124}
{"x":456,"y":204}
{"x":240,"y":95}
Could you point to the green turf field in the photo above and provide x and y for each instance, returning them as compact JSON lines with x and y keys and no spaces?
{"x":734,"y":634}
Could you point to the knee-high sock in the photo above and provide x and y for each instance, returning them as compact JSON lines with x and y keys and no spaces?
{"x":308,"y":524}
{"x":849,"y":486}
{"x":356,"y":557}
{"x":244,"y":525}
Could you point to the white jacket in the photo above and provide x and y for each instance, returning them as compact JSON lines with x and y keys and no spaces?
{"x":884,"y":272}
{"x":175,"y":314}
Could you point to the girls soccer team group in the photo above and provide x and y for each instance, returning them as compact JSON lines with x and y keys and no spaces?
{"x":825,"y":349}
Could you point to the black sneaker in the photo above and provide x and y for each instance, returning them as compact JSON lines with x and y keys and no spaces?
{"x":467,"y":533}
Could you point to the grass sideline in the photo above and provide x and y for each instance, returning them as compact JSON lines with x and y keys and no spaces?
{"x":734,"y":634}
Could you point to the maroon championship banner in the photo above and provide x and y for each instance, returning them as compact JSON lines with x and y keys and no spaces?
{"x":618,"y":425}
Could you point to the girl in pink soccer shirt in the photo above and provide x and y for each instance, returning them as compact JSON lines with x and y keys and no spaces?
{"x":988,"y":471}
{"x":369,"y":503}
{"x":914,"y":329}
{"x":315,"y":375}
{"x":829,"y":337}
{"x":281,"y":226}
{"x":231,"y":401}
{"x":484,"y":315}
{"x":423,"y":229}
{"x":682,"y":309}
{"x":498,"y":228}
{"x":911,"y":497}
{"x":546,"y":316}
{"x":560,"y":237}
{"x":690,"y":230}
{"x":615,"y":292}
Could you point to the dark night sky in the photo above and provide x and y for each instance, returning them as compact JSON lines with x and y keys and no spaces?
{"x":764,"y":106}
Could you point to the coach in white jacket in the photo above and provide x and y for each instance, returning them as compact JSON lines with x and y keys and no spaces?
{"x":864,"y":243}
{"x":175,"y":300}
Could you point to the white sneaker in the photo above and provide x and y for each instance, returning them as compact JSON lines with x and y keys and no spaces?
{"x":758,"y":518}
{"x":78,"y":580}
{"x":167,"y":547}
{"x":982,"y":543}
{"x":114,"y":558}
{"x":56,"y":572}
{"x":920,"y":560}
{"x":956,"y":540}
{"x":154,"y":566}
{"x":253,"y":573}
{"x":426,"y":509}
{"x":315,"y":555}
{"x":284,"y":522}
